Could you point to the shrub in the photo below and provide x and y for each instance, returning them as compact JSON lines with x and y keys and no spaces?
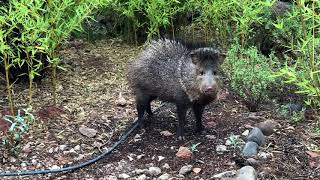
{"x":250,"y":75}
{"x":20,"y":125}
{"x":31,"y":32}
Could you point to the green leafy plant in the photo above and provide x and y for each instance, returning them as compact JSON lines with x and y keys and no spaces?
{"x":294,"y":116}
{"x":33,"y":32}
{"x":235,"y":141}
{"x":193,"y":147}
{"x":250,"y":75}
{"x":20,"y":125}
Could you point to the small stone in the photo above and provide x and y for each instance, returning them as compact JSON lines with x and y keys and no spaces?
{"x":110,"y":177}
{"x":226,"y":174}
{"x":97,"y":144}
{"x":34,"y":162}
{"x":142,"y":177}
{"x":123,"y":176}
{"x":154,"y":171}
{"x":160,"y":158}
{"x":164,"y":176}
{"x":221,"y":148}
{"x":56,"y":149}
{"x":121,"y":101}
{"x":137,"y":138}
{"x":166,"y":166}
{"x":23,"y":164}
{"x":50,"y":150}
{"x":77,"y":148}
{"x":89,"y":132}
{"x":245,"y":133}
{"x":27,"y":148}
{"x":196,"y":170}
{"x":247,"y":173}
{"x":166,"y":133}
{"x":55,"y":167}
{"x":228,"y":142}
{"x":211,"y":136}
{"x":250,"y":149}
{"x":39,"y":165}
{"x":185,"y":169}
{"x":257,"y":136}
{"x":62,"y":147}
{"x":140,"y":156}
{"x":140,"y":171}
{"x":267,"y":127}
{"x":183,"y":152}
{"x":12,"y":159}
{"x":264,"y":155}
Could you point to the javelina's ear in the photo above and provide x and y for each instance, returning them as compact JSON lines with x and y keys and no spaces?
{"x":222,"y":56}
{"x":194,"y":57}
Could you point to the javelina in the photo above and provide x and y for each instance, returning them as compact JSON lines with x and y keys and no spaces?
{"x":173,"y":72}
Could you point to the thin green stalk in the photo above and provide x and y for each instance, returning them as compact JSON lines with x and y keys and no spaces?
{"x":54,"y":83}
{"x":30,"y":81}
{"x":9,"y":95}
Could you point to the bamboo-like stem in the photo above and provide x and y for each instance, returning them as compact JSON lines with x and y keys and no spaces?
{"x":8,"y":87}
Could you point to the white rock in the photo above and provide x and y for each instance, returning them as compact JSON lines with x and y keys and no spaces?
{"x":140,"y":156}
{"x":164,"y":176}
{"x":160,"y":158}
{"x":77,"y":148}
{"x":50,"y":150}
{"x":62,"y":147}
{"x":23,"y":164}
{"x":55,"y":167}
{"x":185,"y":169}
{"x":166,"y":166}
{"x":264,"y":155}
{"x":225,"y":174}
{"x":245,"y":133}
{"x":142,"y":177}
{"x":221,"y":148}
{"x":89,"y":132}
{"x":123,"y":176}
{"x":154,"y":171}
{"x":247,"y":173}
{"x":211,"y":136}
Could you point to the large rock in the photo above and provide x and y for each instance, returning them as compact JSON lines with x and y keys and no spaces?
{"x":256,"y":136}
{"x":250,"y":149}
{"x":247,"y":173}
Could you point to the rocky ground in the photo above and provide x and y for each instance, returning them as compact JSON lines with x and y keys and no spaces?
{"x":94,"y":107}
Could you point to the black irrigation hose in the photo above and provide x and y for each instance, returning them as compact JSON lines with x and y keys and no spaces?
{"x":78,"y":166}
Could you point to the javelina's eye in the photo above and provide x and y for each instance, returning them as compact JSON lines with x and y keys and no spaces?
{"x":201,"y":73}
{"x":214,"y":72}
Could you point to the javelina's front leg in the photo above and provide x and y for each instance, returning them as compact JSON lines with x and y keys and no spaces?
{"x":181,"y":111}
{"x":198,"y":111}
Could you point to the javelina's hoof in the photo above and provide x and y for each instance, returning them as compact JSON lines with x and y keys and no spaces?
{"x":181,"y":138}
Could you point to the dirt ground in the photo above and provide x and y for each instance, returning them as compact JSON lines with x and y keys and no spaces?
{"x":88,"y":92}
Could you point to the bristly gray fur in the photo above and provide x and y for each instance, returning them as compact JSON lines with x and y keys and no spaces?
{"x":165,"y":70}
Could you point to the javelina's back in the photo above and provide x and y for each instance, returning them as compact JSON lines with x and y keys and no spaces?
{"x":156,"y":71}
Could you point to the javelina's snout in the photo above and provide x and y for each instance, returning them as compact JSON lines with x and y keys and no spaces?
{"x":209,"y":84}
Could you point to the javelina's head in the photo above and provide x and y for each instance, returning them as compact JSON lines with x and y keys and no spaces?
{"x":207,"y":62}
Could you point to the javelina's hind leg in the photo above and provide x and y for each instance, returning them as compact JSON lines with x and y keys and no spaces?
{"x":181,"y":111}
{"x":142,"y":105}
{"x":198,"y":111}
